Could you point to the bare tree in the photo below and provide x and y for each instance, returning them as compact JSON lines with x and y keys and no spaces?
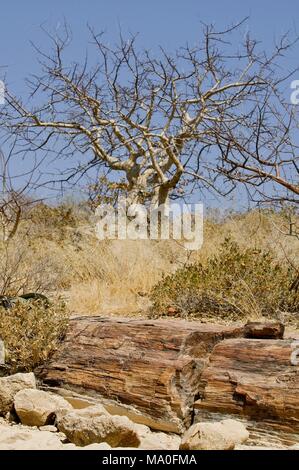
{"x":208,"y":116}
{"x":15,"y":193}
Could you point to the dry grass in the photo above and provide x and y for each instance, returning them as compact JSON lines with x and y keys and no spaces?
{"x":128,"y":271}
{"x":30,"y":332}
{"x":62,"y":255}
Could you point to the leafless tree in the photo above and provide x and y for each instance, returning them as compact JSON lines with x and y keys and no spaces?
{"x":208,"y":116}
{"x":15,"y":193}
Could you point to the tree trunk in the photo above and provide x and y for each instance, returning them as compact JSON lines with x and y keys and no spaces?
{"x":163,"y":372}
{"x":252,"y":377}
{"x":150,"y":369}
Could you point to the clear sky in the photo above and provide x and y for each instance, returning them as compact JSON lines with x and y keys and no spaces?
{"x":169,"y":23}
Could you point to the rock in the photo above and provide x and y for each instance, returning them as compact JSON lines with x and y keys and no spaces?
{"x":94,"y":425}
{"x":222,"y":435}
{"x":21,"y":438}
{"x":39,"y":408}
{"x":270,"y":330}
{"x":48,"y":427}
{"x":160,"y":441}
{"x":149,"y":367}
{"x":102,"y":446}
{"x":62,"y":437}
{"x":236,"y":430}
{"x":10,"y":386}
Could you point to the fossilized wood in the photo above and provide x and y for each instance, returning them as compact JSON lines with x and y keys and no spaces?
{"x":253,"y":378}
{"x":267,"y":330}
{"x":154,"y":371}
{"x":148,"y":368}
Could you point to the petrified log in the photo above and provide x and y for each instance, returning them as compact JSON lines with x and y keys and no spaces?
{"x":164,"y":372}
{"x":149,"y":370}
{"x":267,"y":330}
{"x":254,"y":378}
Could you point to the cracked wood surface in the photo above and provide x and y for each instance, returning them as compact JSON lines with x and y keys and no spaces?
{"x":163,"y":372}
{"x":153,"y":366}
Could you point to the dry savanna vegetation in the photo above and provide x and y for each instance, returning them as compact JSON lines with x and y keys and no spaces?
{"x":246,"y":268}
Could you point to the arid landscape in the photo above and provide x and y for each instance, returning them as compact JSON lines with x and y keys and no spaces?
{"x":149,"y":229}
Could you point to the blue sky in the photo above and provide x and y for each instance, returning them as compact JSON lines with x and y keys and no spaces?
{"x":169,"y":23}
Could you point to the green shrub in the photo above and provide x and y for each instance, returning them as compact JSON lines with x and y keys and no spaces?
{"x":30,"y":332}
{"x":233,"y":284}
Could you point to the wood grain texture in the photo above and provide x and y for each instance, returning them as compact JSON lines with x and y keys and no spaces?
{"x":163,"y":372}
{"x":253,"y":378}
{"x":154,"y":366}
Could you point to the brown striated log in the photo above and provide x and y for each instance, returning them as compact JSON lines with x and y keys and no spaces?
{"x":150,"y":370}
{"x":267,"y":330}
{"x":255,"y":378}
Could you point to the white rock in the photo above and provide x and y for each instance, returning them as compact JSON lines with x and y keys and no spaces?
{"x":102,"y":446}
{"x":10,"y":386}
{"x":39,"y":408}
{"x":94,"y":425}
{"x":222,"y":435}
{"x":160,"y":441}
{"x":48,"y":427}
{"x":22,"y":438}
{"x":236,"y":430}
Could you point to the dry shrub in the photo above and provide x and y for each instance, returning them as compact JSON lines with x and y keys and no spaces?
{"x":25,"y":268}
{"x":31,"y":332}
{"x":234,"y":284}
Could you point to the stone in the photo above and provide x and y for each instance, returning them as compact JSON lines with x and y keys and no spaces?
{"x":265,"y":330}
{"x":94,"y":425}
{"x":48,"y":427}
{"x":160,"y":441}
{"x":22,"y":438}
{"x":10,"y":386}
{"x":236,"y":430}
{"x":39,"y":408}
{"x":222,"y":435}
{"x":102,"y":446}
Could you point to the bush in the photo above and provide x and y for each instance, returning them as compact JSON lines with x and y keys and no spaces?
{"x":25,"y":269}
{"x":234,"y":284}
{"x":31,"y":331}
